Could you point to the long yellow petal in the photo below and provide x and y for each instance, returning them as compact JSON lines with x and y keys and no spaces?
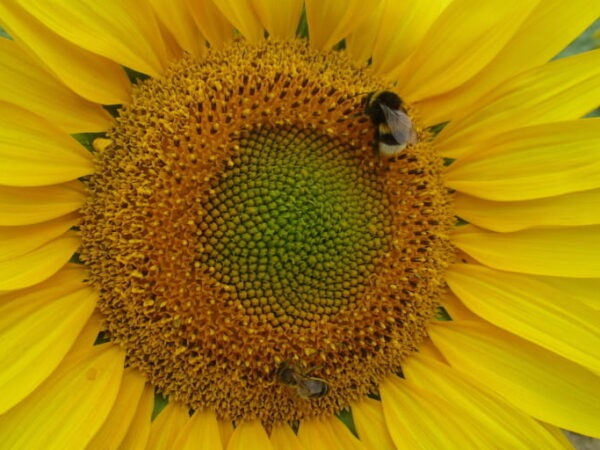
{"x":242,"y":16}
{"x":33,"y":152}
{"x":564,"y":252}
{"x":249,"y":436}
{"x":28,"y":205}
{"x":402,"y":28}
{"x":279,"y":18}
{"x":124,"y":31}
{"x":575,"y":209}
{"x":525,"y":50}
{"x":139,"y":429}
{"x":537,"y":381}
{"x":584,"y":290}
{"x":463,"y":40}
{"x":92,"y":76}
{"x":370,"y":424}
{"x":283,"y":438}
{"x":561,"y":90}
{"x":200,"y":432}
{"x":89,"y":334}
{"x":496,"y":423}
{"x":70,"y":406}
{"x":38,"y":325}
{"x":25,"y":83}
{"x":327,"y":433}
{"x":39,"y":264}
{"x":361,"y":42}
{"x":112,"y":432}
{"x":16,"y":241}
{"x":211,"y":22}
{"x":330,"y":22}
{"x":167,"y":425}
{"x":530,"y":309}
{"x":532,"y":162}
{"x":176,"y":17}
{"x":417,"y":420}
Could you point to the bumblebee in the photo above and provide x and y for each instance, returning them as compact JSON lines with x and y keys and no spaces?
{"x":306,"y":386}
{"x":394,"y":129}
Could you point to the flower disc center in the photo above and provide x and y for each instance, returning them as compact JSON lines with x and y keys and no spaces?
{"x":295,"y":226}
{"x":242,"y":231}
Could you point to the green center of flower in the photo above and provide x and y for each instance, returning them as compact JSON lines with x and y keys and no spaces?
{"x":295,"y":226}
{"x":254,"y":255}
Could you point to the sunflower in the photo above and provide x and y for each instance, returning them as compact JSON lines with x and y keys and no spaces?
{"x":202,"y":246}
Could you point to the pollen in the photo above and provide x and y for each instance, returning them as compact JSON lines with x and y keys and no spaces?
{"x":239,"y":221}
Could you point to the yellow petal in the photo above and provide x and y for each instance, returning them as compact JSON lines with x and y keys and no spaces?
{"x":242,"y":16}
{"x":327,"y":433}
{"x":112,"y":432}
{"x":39,"y":264}
{"x":16,"y":241}
{"x":496,"y":423}
{"x":583,"y":290}
{"x":167,"y":425}
{"x":124,"y":31}
{"x":538,"y":382}
{"x":565,"y":252}
{"x":176,"y":17}
{"x":283,"y":438}
{"x":565,"y":19}
{"x":225,"y":430}
{"x":370,"y":424}
{"x":561,"y":90}
{"x":463,"y":40}
{"x":417,"y":420}
{"x":533,"y":162}
{"x":33,"y":152}
{"x":402,"y":28}
{"x":575,"y":209}
{"x":330,"y":22}
{"x":211,"y":22}
{"x":200,"y":432}
{"x":361,"y":42}
{"x":249,"y":436}
{"x":38,"y":325}
{"x":279,"y":18}
{"x":139,"y":429}
{"x":25,"y":83}
{"x":92,"y":76}
{"x":27,"y":205}
{"x":530,"y":309}
{"x":70,"y":406}
{"x":92,"y":328}
{"x":559,"y":435}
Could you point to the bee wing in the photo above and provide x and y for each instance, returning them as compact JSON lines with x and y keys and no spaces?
{"x":400,"y":125}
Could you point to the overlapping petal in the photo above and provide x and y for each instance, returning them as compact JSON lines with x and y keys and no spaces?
{"x":176,"y":17}
{"x":250,"y":436}
{"x":39,"y":264}
{"x":114,"y":429}
{"x":561,"y":90}
{"x":242,"y":16}
{"x":530,"y":309}
{"x":201,"y":431}
{"x":279,"y":18}
{"x":216,"y":29}
{"x":38,"y":91}
{"x":92,"y":76}
{"x":574,"y":209}
{"x":327,"y":433}
{"x":535,"y":380}
{"x":28,"y":205}
{"x":330,"y":22}
{"x":38,"y":325}
{"x":558,"y":21}
{"x":467,"y":35}
{"x":532,"y":162}
{"x":124,"y":31}
{"x":166,"y":427}
{"x":71,"y":405}
{"x":370,"y":424}
{"x":139,"y":428}
{"x":563,"y":252}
